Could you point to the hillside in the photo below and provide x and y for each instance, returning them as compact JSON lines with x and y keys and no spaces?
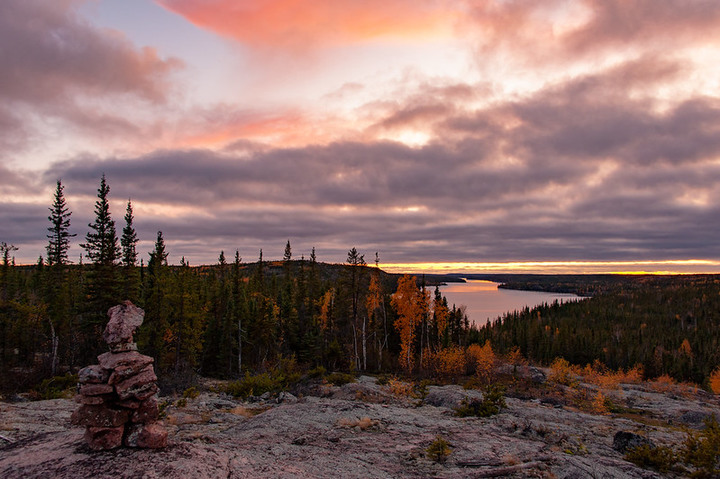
{"x":364,"y":430}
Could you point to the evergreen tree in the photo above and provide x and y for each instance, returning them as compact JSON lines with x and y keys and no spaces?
{"x":103,"y":287}
{"x":57,"y":290}
{"x":5,"y":250}
{"x":59,"y":237}
{"x":101,"y":243}
{"x":129,"y":238}
{"x":128,"y":243}
{"x":157,"y":306}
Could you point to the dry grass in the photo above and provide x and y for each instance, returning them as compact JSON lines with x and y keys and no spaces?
{"x":400,"y":388}
{"x":246,"y":412}
{"x":363,"y":423}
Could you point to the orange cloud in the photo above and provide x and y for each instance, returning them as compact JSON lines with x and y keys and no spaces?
{"x":298,"y":24}
{"x":290,"y":128}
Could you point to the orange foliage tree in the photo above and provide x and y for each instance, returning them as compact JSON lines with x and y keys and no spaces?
{"x":406,"y":302}
{"x":715,"y":381}
{"x":483,"y":358}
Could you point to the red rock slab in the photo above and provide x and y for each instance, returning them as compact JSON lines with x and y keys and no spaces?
{"x":123,"y":372}
{"x":128,"y":403}
{"x":151,"y":436}
{"x":103,"y":438}
{"x":93,"y":400}
{"x":147,"y":412}
{"x":111,"y":361}
{"x":96,"y":389}
{"x":93,"y":374}
{"x":137,"y":386}
{"x":99,"y":416}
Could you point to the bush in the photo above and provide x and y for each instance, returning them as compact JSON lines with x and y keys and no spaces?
{"x":702,"y":450}
{"x":317,"y":372}
{"x":338,"y":379}
{"x":482,"y":360}
{"x":439,"y":450}
{"x":55,"y":388}
{"x":492,"y":403}
{"x":658,"y":458}
{"x":190,"y":393}
{"x":277,"y":379}
{"x":561,"y":372}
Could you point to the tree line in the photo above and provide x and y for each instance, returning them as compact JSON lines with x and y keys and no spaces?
{"x":217,"y":320}
{"x":670,"y":325}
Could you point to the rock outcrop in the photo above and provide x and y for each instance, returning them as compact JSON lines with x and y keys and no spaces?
{"x":118,"y":397}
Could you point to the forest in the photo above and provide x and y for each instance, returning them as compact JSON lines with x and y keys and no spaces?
{"x":233,"y":318}
{"x":218,"y":320}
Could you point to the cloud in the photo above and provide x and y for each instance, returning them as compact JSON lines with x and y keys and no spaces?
{"x":58,"y":67}
{"x":293,"y":25}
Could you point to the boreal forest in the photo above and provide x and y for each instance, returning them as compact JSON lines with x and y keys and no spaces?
{"x":236,"y":317}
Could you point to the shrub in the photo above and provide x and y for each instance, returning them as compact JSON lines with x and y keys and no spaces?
{"x":492,"y":403}
{"x":254,"y":385}
{"x":400,"y":388}
{"x":659,"y":458}
{"x":338,"y":379}
{"x":190,"y":393}
{"x":702,"y":450}
{"x":55,"y":388}
{"x":317,"y":372}
{"x":561,"y":372}
{"x":439,"y":450}
{"x":446,"y":363}
{"x":600,"y":403}
{"x":715,"y":381}
{"x":482,"y":360}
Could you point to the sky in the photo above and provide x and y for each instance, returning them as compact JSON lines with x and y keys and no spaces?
{"x":464,"y":135}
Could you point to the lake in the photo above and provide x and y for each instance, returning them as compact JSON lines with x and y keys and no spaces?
{"x":484,"y":300}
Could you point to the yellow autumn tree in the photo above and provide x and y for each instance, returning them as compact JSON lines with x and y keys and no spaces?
{"x":325,"y":308}
{"x":715,"y":381}
{"x":483,"y":358}
{"x":407,"y":305}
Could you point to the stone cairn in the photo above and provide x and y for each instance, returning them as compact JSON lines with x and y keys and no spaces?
{"x":118,"y":397}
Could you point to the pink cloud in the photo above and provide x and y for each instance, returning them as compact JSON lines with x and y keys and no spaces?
{"x":297,"y":25}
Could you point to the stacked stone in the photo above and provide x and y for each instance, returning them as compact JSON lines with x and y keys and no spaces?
{"x":118,"y":397}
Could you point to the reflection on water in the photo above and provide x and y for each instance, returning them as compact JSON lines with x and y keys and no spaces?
{"x":484,"y":300}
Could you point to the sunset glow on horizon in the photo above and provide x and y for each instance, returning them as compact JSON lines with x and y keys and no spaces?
{"x":560,"y":267}
{"x":581,"y":135}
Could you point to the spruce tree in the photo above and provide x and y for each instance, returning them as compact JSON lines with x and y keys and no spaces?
{"x":59,"y":237}
{"x":128,"y":243}
{"x":57,"y":291}
{"x":157,"y":305}
{"x":129,"y":238}
{"x":101,"y":243}
{"x":103,"y":287}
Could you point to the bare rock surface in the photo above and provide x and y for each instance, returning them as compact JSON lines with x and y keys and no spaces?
{"x":353,"y":432}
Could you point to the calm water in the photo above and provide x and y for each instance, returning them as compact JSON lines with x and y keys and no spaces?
{"x":485,"y":301}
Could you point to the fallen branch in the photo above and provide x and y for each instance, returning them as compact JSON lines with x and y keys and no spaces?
{"x":6,"y":439}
